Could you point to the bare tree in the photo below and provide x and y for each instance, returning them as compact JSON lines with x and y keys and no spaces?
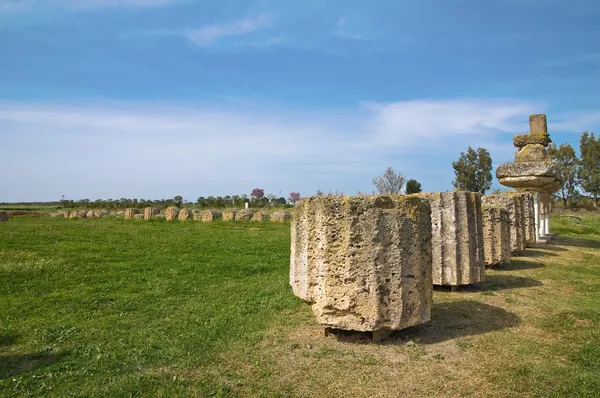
{"x":389,"y":183}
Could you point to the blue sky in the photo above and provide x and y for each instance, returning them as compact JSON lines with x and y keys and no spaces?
{"x":157,"y":98}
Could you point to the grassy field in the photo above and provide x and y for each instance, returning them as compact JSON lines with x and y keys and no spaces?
{"x":117,"y":308}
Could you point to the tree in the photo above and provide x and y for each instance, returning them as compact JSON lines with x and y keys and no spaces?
{"x":589,"y":172}
{"x":566,"y":161}
{"x":294,"y":197}
{"x":257,"y":193}
{"x":178,"y":200}
{"x":473,"y":171}
{"x":390,"y":183}
{"x":413,"y":186}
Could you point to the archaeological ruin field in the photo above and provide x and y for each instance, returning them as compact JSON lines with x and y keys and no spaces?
{"x":114,"y":307}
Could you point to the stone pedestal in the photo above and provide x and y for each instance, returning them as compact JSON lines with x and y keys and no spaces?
{"x":496,"y":235}
{"x":533,"y":171}
{"x":364,"y":263}
{"x":456,"y":238}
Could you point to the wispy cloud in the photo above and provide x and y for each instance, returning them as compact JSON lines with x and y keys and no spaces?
{"x":108,"y":149}
{"x":207,"y":35}
{"x":25,"y":5}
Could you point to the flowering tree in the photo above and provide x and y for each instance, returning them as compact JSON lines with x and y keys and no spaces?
{"x":294,"y":197}
{"x":257,"y":193}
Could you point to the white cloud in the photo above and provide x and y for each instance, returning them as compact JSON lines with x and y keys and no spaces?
{"x":207,"y":35}
{"x":108,"y":149}
{"x":24,"y":5}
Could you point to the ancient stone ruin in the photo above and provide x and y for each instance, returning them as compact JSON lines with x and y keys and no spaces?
{"x":150,"y":212}
{"x":513,"y":204}
{"x":130,"y":213}
{"x":364,"y":263}
{"x":496,"y":235}
{"x":138,"y":216}
{"x":244,"y":215}
{"x":280,"y":216}
{"x":211,"y":215}
{"x":3,"y":216}
{"x":229,"y":214}
{"x":532,"y":171}
{"x":456,"y":238}
{"x":185,"y":214}
{"x":261,"y":216}
{"x":529,"y":217}
{"x":171,"y":213}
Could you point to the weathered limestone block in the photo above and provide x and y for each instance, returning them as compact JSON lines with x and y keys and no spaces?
{"x":261,"y":216}
{"x":529,"y":217}
{"x":244,"y":215}
{"x":211,"y":215}
{"x":3,"y":216}
{"x":457,"y":238}
{"x":513,"y":204}
{"x":197,"y":214}
{"x":78,"y":214}
{"x":185,"y":214}
{"x":138,"y":216}
{"x":171,"y":213}
{"x":129,"y":213}
{"x":496,"y":235}
{"x":229,"y":214}
{"x":364,"y":263}
{"x":66,"y":214}
{"x":91,"y":214}
{"x":280,"y":216}
{"x":537,"y":124}
{"x":532,"y":153}
{"x":150,"y":212}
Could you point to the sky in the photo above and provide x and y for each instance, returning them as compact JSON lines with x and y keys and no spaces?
{"x":157,"y":98}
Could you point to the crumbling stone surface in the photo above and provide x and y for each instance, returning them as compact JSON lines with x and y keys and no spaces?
{"x":496,"y":235}
{"x":532,"y":153}
{"x":457,"y":238}
{"x":66,"y":214}
{"x":529,"y":217}
{"x":78,"y":214}
{"x":535,"y":176}
{"x":197,"y":214}
{"x":211,"y":215}
{"x":244,"y":215}
{"x":521,"y":140}
{"x":185,"y":214}
{"x":129,"y":213}
{"x":513,"y":204}
{"x":138,"y":216}
{"x":280,"y":216}
{"x":91,"y":214}
{"x":171,"y":213}
{"x":229,"y":214}
{"x":363,"y":262}
{"x":261,"y":216}
{"x":3,"y":216}
{"x":150,"y":212}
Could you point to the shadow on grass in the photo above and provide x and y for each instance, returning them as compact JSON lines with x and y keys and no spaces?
{"x":568,"y":241}
{"x":532,"y":253}
{"x":494,"y":283}
{"x":517,"y":265}
{"x":448,"y":321}
{"x":14,"y":365}
{"x":5,"y":341}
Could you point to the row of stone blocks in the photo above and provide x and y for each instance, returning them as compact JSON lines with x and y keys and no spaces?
{"x":174,"y":213}
{"x":370,"y":263}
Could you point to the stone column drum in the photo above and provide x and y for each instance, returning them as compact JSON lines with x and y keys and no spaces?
{"x":364,"y":263}
{"x":513,"y":204}
{"x":496,"y":235}
{"x":528,"y":199}
{"x":130,"y":213}
{"x":150,"y":212}
{"x":456,"y":238}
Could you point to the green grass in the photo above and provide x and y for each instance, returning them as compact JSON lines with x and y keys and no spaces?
{"x":101,"y":306}
{"x":116,"y":308}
